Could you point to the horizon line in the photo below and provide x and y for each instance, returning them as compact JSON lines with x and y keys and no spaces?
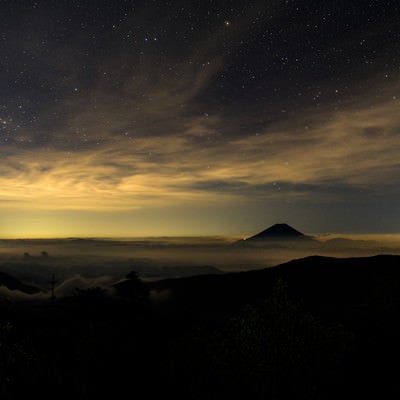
{"x":183,"y":236}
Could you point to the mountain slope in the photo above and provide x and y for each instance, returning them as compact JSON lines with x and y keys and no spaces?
{"x":330,"y":287}
{"x":12,"y":283}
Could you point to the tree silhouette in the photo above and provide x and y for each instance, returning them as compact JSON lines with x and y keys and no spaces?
{"x":18,"y":360}
{"x":133,"y":288}
{"x":278,"y":347}
{"x":269,"y":349}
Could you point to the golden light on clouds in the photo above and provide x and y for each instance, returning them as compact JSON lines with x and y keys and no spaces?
{"x":357,"y":147}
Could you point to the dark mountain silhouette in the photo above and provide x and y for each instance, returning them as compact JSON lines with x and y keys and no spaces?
{"x":326,"y":285}
{"x":357,"y":300}
{"x":14,"y":284}
{"x":278,"y":232}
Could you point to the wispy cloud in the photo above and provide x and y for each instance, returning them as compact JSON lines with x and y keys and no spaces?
{"x":356,"y":148}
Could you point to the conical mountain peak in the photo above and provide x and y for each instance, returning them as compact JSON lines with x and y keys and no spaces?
{"x":279,"y":231}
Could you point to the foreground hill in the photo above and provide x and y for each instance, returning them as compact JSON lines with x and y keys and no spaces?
{"x":316,"y":327}
{"x":324,"y":284}
{"x":313,"y":328}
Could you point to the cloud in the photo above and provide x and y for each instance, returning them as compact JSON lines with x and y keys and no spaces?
{"x":67,"y":287}
{"x":355,"y":148}
{"x":6,"y":293}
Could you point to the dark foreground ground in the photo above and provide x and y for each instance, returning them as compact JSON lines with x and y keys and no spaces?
{"x":315,"y":328}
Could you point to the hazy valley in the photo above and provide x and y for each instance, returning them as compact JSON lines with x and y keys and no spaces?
{"x":101,"y":262}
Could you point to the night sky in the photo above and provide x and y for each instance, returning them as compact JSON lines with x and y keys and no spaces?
{"x":136,"y":118}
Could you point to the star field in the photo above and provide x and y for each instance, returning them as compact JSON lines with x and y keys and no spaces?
{"x":202,"y":117}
